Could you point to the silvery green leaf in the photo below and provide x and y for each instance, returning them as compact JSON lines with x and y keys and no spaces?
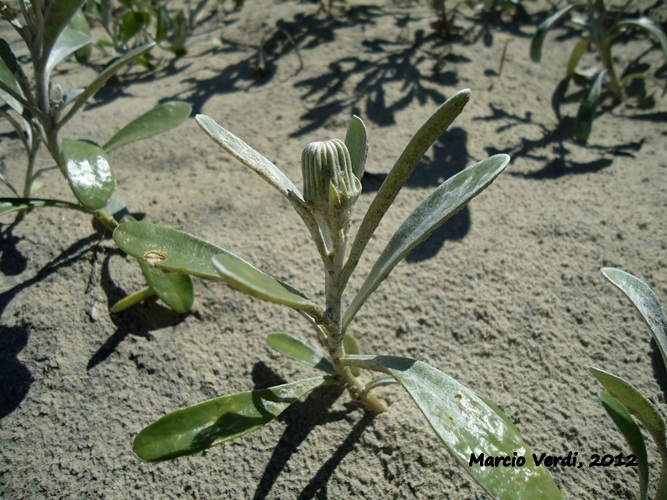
{"x":8,"y":65}
{"x":248,"y":279}
{"x":356,"y":140}
{"x":297,"y":349}
{"x":248,"y":156}
{"x":80,"y":23}
{"x":155,"y":121}
{"x":584,"y":121}
{"x":214,"y":422}
{"x":448,"y":199}
{"x":57,"y":14}
{"x":467,"y":425}
{"x":635,"y":403}
{"x":647,"y":25}
{"x":633,"y":435}
{"x":89,"y":173}
{"x":69,"y":41}
{"x":403,"y":168}
{"x":541,"y":33}
{"x":646,"y":303}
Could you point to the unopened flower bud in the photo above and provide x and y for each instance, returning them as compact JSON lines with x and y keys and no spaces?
{"x":328,"y":180}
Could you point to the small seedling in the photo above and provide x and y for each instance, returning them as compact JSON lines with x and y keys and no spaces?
{"x":130,"y":24}
{"x":38,"y":109}
{"x":601,"y":28}
{"x":622,"y":400}
{"x":465,"y":422}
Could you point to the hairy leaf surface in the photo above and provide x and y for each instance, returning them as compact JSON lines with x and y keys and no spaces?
{"x":467,"y":425}
{"x":646,"y":303}
{"x":248,"y":156}
{"x":634,"y":402}
{"x":448,"y":199}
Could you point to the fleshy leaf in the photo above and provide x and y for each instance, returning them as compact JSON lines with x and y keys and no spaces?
{"x":578,"y":51}
{"x":403,"y":168}
{"x":297,"y":349}
{"x":646,"y":303}
{"x":80,"y":24}
{"x":448,"y":199}
{"x":248,"y":156}
{"x":467,"y":425}
{"x":541,"y":33}
{"x":630,"y":430}
{"x":175,"y":290}
{"x":56,"y":16}
{"x":356,"y":140}
{"x":133,"y":22}
{"x":89,"y":173}
{"x":168,"y":249}
{"x":8,"y":65}
{"x":211,"y":423}
{"x":103,"y":77}
{"x":645,"y":24}
{"x":69,"y":41}
{"x":584,"y":121}
{"x":240,"y":275}
{"x":132,"y":299}
{"x":159,"y":119}
{"x":634,"y":402}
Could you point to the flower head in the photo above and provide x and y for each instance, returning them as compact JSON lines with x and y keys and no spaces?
{"x":328,"y":180}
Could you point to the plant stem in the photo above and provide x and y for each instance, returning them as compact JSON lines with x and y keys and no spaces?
{"x":608,"y":63}
{"x":338,"y":224}
{"x":602,"y":38}
{"x":32,"y":155}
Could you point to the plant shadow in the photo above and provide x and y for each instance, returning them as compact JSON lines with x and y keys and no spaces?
{"x":15,"y":378}
{"x":300,"y":419}
{"x":417,"y":65}
{"x":305,"y":31}
{"x":553,"y":148}
{"x":12,"y":261}
{"x":140,"y":320}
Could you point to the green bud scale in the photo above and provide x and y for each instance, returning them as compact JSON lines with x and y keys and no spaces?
{"x":328,"y":180}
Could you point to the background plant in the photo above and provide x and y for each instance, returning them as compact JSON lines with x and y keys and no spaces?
{"x":622,"y":400}
{"x":129,"y":24}
{"x":601,"y":27}
{"x":465,"y":422}
{"x":38,"y":109}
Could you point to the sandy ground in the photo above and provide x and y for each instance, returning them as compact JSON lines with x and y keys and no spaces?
{"x":507,"y":297}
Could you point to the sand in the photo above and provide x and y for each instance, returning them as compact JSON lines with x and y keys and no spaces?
{"x":507,"y":297}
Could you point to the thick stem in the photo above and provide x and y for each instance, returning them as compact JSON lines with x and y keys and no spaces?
{"x":335,"y":282}
{"x":608,"y":63}
{"x":32,"y":155}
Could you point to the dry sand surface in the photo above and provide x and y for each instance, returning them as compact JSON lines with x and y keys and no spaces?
{"x":507,"y":297}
